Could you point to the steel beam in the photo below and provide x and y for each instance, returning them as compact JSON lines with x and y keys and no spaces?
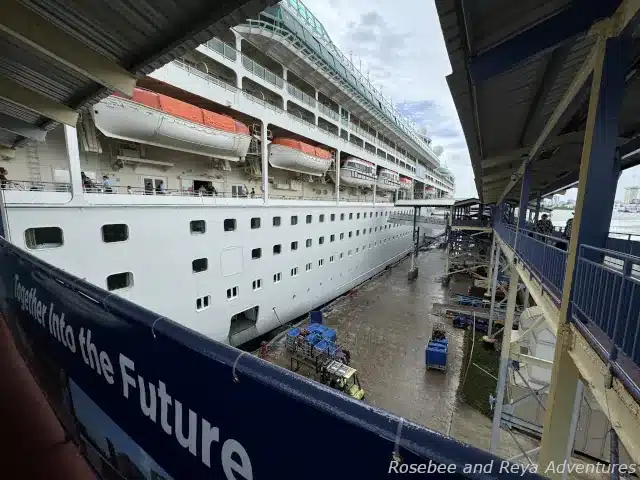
{"x":598,"y":169}
{"x":26,"y":26}
{"x":524,"y":196}
{"x":15,"y":93}
{"x":21,"y":128}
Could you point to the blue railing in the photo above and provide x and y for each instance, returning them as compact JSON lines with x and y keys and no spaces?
{"x":607,"y":294}
{"x":605,"y":304}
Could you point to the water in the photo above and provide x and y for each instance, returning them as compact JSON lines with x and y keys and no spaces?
{"x":628,"y":223}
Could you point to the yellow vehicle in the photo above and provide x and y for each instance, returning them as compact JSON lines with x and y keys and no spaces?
{"x":342,"y":377}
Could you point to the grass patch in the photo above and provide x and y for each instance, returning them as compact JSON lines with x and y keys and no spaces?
{"x":478,"y":385}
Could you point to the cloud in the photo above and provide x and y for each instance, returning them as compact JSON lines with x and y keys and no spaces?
{"x":399,"y":45}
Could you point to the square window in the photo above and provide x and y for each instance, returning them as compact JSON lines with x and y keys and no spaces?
{"x":256,"y":253}
{"x":255,"y":223}
{"x":321,"y":218}
{"x":333,"y":217}
{"x":199,"y":265}
{"x":277,"y":277}
{"x":276,"y":221}
{"x":308,"y":242}
{"x":321,"y":240}
{"x":294,"y":246}
{"x":203,"y":302}
{"x":117,"y":232}
{"x":198,"y":226}
{"x":294,"y":272}
{"x":257,"y":284}
{"x":277,"y":249}
{"x":229,"y":224}
{"x":232,"y":293}
{"x":118,"y":281}
{"x":294,"y":219}
{"x":43,"y":237}
{"x":309,"y":218}
{"x":332,"y":238}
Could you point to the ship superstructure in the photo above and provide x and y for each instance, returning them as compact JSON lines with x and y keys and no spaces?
{"x":241,"y":186}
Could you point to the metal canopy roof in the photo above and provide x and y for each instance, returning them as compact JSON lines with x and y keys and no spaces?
{"x":512,"y":64}
{"x":59,"y":56}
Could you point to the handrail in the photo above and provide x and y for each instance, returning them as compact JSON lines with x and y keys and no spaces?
{"x":31,"y":186}
{"x":300,"y":95}
{"x":261,"y":72}
{"x":222,"y":48}
{"x":205,"y":76}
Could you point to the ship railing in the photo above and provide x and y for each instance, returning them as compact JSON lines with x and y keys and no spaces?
{"x":300,"y":95}
{"x":261,"y":72}
{"x":128,"y":190}
{"x":606,"y":306}
{"x":206,"y":76}
{"x":299,"y":118}
{"x":262,"y":101}
{"x":222,"y":48}
{"x":33,"y":186}
{"x":328,"y":112}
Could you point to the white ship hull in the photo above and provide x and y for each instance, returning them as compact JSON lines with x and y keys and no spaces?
{"x":287,"y":158}
{"x":126,"y":120}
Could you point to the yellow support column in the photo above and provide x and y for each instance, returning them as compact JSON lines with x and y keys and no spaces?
{"x":565,"y":376}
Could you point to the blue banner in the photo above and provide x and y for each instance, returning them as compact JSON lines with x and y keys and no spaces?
{"x":150,"y":399}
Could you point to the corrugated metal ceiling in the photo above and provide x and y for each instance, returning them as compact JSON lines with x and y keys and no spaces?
{"x":139,"y":35}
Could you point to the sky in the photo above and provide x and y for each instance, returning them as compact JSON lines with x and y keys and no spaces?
{"x":400,"y":44}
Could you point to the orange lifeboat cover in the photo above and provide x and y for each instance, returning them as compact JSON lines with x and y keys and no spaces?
{"x":181,"y":109}
{"x":303,"y":147}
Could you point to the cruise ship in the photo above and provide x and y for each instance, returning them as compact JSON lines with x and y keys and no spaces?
{"x":241,"y":186}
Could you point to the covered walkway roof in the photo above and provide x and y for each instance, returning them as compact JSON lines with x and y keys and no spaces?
{"x":520,"y":83}
{"x":60,"y":56}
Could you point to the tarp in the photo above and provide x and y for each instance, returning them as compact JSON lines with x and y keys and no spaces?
{"x":153,"y":396}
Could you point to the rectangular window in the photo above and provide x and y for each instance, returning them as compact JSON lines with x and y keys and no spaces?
{"x":333,"y":217}
{"x":369,"y":229}
{"x":376,"y":214}
{"x":370,"y":214}
{"x":349,"y":253}
{"x":321,"y":218}
{"x":277,"y":277}
{"x":321,"y":240}
{"x":118,"y":281}
{"x":115,"y":232}
{"x":309,"y":217}
{"x":308,"y":267}
{"x":351,"y":216}
{"x":321,"y":262}
{"x":342,"y":236}
{"x":341,"y":256}
{"x":294,"y":246}
{"x":294,"y":219}
{"x":308,"y":242}
{"x":203,"y":303}
{"x":342,"y":216}
{"x":358,"y":216}
{"x":199,"y":265}
{"x":43,"y":237}
{"x":364,"y":231}
{"x":256,"y":253}
{"x":232,"y":293}
{"x":276,"y":221}
{"x":294,"y":272}
{"x":332,"y":238}
{"x":257,"y":284}
{"x":198,"y":226}
{"x":350,"y":234}
{"x":229,"y":224}
{"x":277,"y":249}
{"x":357,"y":233}
{"x":357,"y":250}
{"x":255,"y":223}
{"x":331,"y":259}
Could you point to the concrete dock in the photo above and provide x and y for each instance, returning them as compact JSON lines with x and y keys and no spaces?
{"x":385,"y":324}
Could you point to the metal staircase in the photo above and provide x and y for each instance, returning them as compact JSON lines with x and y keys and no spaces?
{"x":33,"y":166}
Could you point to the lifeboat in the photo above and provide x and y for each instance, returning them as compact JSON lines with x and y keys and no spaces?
{"x":388,"y":180}
{"x":157,"y":119}
{"x":356,"y":172}
{"x":405,"y":183}
{"x":297,"y":156}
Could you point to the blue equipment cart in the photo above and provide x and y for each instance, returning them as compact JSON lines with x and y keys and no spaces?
{"x":437,"y":348}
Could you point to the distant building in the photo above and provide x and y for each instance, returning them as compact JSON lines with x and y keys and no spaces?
{"x":631,"y":194}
